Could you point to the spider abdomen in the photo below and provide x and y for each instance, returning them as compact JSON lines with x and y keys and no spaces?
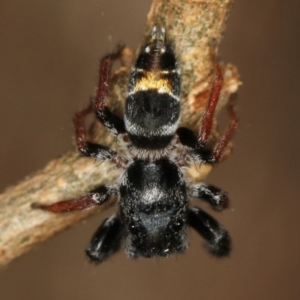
{"x":153,"y":201}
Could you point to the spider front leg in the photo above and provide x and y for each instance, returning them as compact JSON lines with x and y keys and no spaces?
{"x":112,"y":122}
{"x":92,"y":149}
{"x":200,"y":153}
{"x":96,"y":197}
{"x":219,"y":242}
{"x":87,"y":148}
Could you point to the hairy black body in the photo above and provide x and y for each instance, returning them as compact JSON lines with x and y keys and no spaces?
{"x":156,"y":223}
{"x":153,"y":194}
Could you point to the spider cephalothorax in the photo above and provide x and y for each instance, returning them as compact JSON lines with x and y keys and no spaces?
{"x":153,"y":193}
{"x":152,"y":107}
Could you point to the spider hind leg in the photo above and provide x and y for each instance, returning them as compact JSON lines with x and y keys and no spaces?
{"x":219,"y":243}
{"x":106,"y":240}
{"x":217,"y":198}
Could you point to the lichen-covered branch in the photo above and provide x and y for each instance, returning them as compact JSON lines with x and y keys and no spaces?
{"x":191,"y":26}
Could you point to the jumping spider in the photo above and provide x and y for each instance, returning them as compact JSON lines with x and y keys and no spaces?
{"x":153,"y":194}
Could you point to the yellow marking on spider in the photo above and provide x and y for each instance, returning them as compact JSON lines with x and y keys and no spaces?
{"x":152,"y":81}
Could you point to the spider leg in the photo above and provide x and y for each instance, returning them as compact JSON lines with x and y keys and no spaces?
{"x":208,"y":115}
{"x":112,"y":122}
{"x":200,"y":153}
{"x":106,"y":240}
{"x":92,"y":149}
{"x":219,"y":243}
{"x":217,"y":198}
{"x":96,"y":197}
{"x":227,"y":135}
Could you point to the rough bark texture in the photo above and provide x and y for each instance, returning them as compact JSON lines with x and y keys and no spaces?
{"x":191,"y":27}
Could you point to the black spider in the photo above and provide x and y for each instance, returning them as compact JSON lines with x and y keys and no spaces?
{"x":153,"y":194}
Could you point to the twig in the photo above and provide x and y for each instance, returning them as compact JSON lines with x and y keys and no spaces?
{"x":191,"y":25}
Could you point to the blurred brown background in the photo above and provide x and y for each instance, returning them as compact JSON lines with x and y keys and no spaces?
{"x":49,"y":57}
